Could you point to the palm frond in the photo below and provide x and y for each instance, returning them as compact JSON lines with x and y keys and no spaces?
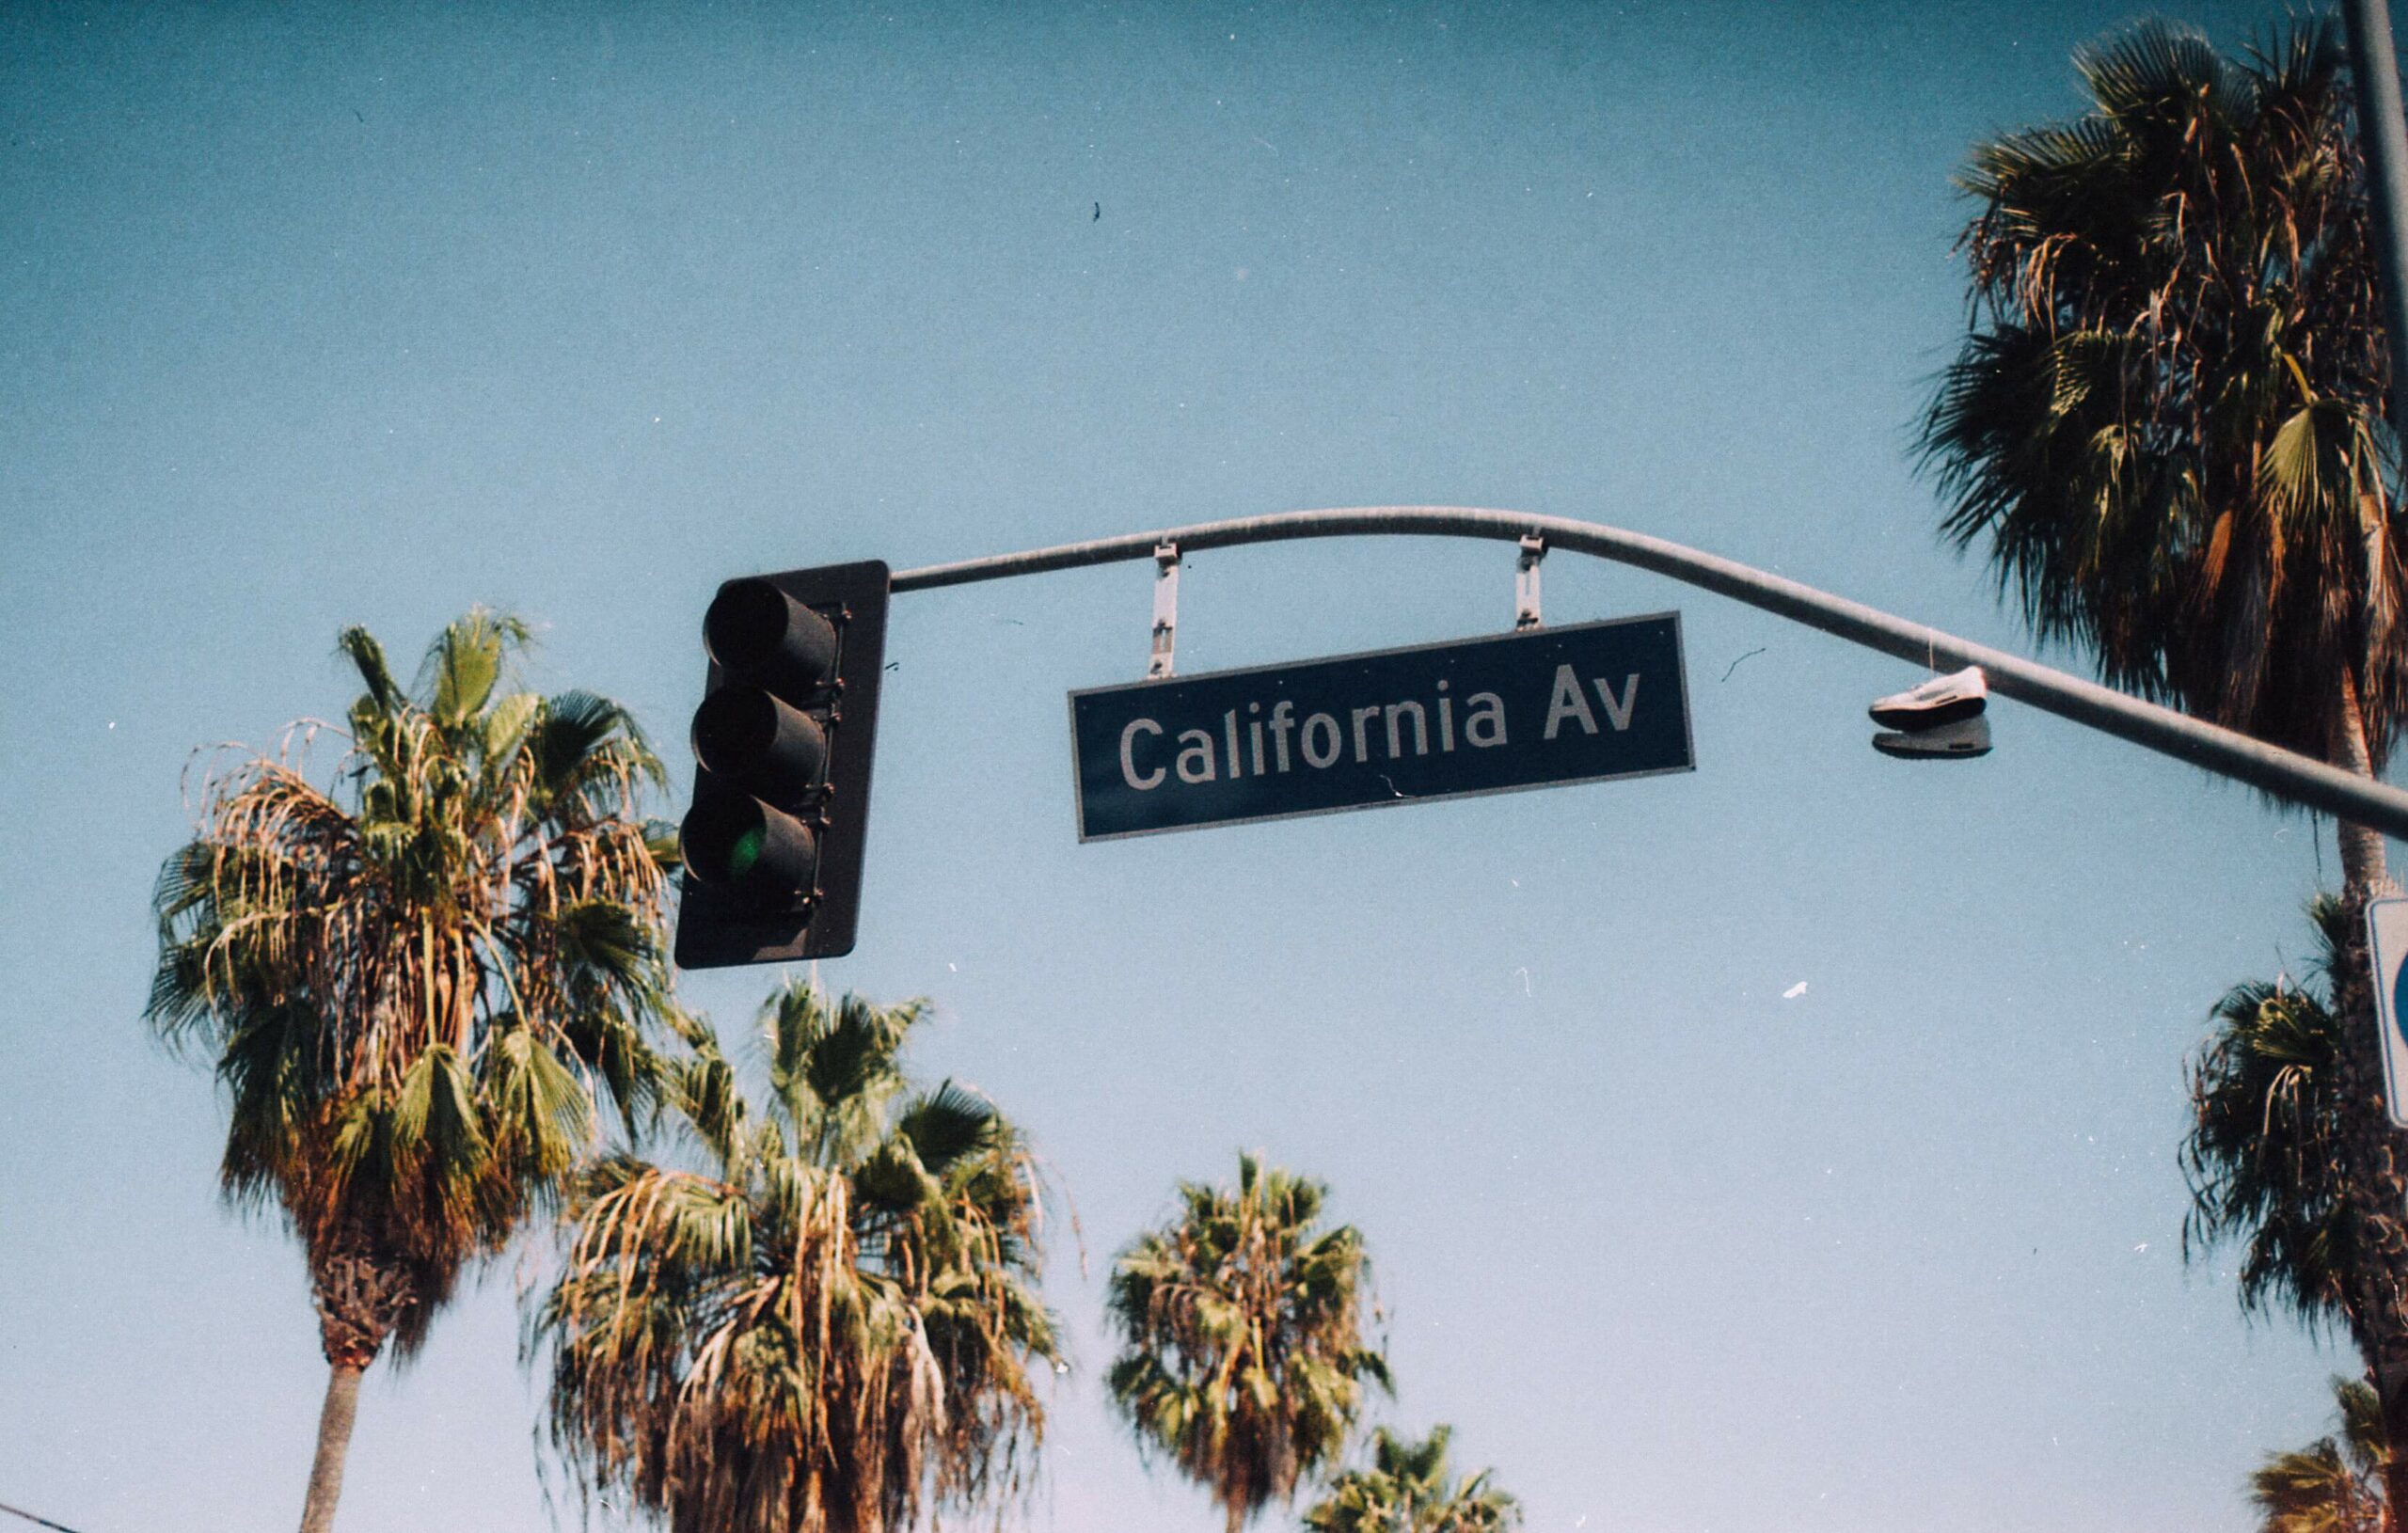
{"x":368,"y":657}
{"x":2155,"y":67}
{"x":464,"y":664}
{"x":947,"y":1124}
{"x":2334,"y":1485}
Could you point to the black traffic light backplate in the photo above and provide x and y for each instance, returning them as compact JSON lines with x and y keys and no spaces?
{"x":717,"y":930}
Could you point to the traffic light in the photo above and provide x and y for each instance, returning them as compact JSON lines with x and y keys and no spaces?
{"x":772,"y":844}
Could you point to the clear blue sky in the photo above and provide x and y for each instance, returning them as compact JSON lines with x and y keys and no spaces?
{"x":323,"y":315}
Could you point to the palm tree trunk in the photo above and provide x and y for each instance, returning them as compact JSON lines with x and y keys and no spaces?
{"x":334,"y":1441}
{"x":2361,"y":847}
{"x":1236,"y":1518}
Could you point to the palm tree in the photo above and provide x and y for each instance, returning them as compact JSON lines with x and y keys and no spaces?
{"x":2166,"y":420}
{"x":1242,"y":1356}
{"x":2266,"y":1154}
{"x":1408,"y":1490}
{"x":832,"y":1324}
{"x":2167,"y":424}
{"x":2268,"y":1158}
{"x":415,"y":982}
{"x":2335,"y":1484}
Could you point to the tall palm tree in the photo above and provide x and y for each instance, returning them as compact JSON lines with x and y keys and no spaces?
{"x":830,"y":1324}
{"x":1408,"y":1489}
{"x":2269,"y":1161}
{"x":1240,"y":1320}
{"x":2165,"y":423}
{"x":2266,"y":1153}
{"x":2335,"y":1484}
{"x":415,"y":981}
{"x":2166,"y":420}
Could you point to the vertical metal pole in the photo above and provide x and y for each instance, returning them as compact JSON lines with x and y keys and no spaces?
{"x":2375,"y":66}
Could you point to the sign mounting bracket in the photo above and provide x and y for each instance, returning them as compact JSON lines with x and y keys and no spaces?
{"x":1526,"y":582}
{"x":1165,"y":609}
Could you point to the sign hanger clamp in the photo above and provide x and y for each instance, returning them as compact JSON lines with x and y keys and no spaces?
{"x":1526,"y":582}
{"x":1158,"y":667}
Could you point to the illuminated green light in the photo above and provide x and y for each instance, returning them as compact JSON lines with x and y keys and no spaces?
{"x":747,"y":851}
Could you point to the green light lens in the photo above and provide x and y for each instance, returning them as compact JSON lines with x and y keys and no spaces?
{"x":747,"y":851}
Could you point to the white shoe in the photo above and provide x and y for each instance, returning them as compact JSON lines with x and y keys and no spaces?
{"x":1965,"y":737}
{"x":1942,"y":700}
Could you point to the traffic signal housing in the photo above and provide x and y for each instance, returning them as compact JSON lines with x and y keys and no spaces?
{"x":772,"y":843}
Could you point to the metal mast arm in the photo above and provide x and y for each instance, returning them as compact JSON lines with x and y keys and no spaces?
{"x":2285,"y":774}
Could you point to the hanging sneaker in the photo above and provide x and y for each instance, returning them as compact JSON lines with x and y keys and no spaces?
{"x":1965,"y":737}
{"x":1942,"y":700}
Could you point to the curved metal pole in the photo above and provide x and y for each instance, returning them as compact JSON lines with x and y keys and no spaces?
{"x":2285,"y":774}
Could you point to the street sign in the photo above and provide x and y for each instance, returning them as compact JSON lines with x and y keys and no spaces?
{"x":1542,"y":708}
{"x":2387,"y":951}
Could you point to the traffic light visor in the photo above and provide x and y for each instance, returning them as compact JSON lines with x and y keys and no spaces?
{"x":740,"y":845}
{"x":761,"y":634}
{"x":748,"y":736}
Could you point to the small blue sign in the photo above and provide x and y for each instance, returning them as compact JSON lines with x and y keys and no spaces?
{"x":1542,"y":708}
{"x":2387,"y":949}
